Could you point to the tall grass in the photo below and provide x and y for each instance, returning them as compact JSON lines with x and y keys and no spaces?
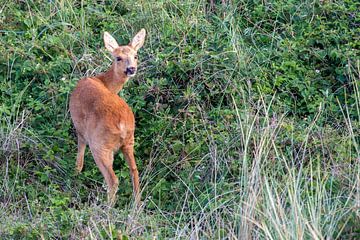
{"x":221,"y":155}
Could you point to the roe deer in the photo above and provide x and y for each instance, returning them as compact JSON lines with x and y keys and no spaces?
{"x":102,"y":119}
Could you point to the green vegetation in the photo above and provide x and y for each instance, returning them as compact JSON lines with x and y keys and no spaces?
{"x":248,"y":120}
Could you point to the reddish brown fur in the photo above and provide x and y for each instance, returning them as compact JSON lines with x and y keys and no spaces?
{"x":104,"y":121}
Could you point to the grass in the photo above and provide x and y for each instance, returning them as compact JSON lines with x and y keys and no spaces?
{"x":247,"y":116}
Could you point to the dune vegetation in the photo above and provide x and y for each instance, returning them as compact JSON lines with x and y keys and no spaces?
{"x":247,"y":120}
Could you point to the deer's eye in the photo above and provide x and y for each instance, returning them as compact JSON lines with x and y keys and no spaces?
{"x":136,"y":57}
{"x":118,"y":59}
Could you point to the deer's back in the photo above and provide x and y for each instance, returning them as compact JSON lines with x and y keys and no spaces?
{"x":100,"y":115}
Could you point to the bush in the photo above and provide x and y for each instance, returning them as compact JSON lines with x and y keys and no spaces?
{"x":247,"y":116}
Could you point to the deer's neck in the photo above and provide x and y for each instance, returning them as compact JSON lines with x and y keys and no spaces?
{"x":113,"y":80}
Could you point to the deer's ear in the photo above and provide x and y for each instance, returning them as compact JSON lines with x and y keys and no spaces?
{"x":138,"y":41}
{"x":110,"y":42}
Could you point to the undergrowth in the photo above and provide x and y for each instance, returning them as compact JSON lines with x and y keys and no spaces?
{"x":247,"y":120}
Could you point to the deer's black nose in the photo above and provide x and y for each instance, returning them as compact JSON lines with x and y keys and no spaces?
{"x":130,"y":70}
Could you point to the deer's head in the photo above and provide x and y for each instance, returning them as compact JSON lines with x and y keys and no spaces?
{"x":125,"y":57}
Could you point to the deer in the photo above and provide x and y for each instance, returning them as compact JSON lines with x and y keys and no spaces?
{"x":102,"y":119}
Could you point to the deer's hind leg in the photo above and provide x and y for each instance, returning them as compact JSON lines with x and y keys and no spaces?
{"x":104,"y":160}
{"x":128,"y":152}
{"x":80,"y":153}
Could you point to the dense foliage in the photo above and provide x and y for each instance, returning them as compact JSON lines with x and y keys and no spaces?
{"x":247,"y":119}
